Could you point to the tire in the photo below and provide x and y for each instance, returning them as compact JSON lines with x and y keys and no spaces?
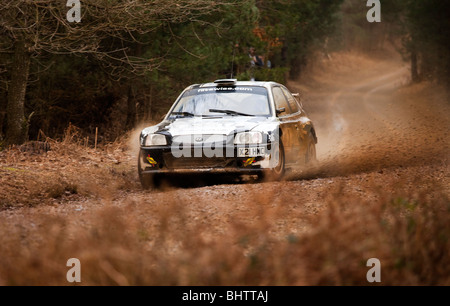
{"x":278,"y":172}
{"x":311,"y":153}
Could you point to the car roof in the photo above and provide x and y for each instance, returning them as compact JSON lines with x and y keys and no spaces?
{"x":236,"y":83}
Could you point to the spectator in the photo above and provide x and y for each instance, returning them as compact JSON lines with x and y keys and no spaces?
{"x":255,"y":59}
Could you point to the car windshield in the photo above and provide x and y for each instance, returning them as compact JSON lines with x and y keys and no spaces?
{"x":220,"y":101}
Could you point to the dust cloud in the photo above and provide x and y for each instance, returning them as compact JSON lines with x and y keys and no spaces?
{"x":368,"y":116}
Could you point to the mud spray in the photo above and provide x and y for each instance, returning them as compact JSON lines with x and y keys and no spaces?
{"x":368,"y":116}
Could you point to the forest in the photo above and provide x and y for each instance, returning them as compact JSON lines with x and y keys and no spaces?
{"x":80,"y":80}
{"x":126,"y":61}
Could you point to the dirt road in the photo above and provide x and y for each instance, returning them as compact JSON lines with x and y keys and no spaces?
{"x":378,"y":137}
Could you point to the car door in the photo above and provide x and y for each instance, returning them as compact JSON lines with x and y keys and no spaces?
{"x":302,"y":125}
{"x":287,"y":125}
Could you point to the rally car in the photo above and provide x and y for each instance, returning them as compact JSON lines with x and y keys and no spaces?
{"x":229,"y":126}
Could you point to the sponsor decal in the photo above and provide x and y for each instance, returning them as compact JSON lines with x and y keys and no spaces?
{"x":249,"y":161}
{"x":152,"y":162}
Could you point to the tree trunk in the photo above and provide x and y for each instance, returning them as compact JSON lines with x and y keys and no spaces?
{"x":296,"y":65}
{"x":414,"y":66}
{"x":17,"y":125}
{"x":2,"y":119}
{"x":131,"y":109}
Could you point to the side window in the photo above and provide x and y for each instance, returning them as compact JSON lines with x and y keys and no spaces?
{"x":280,"y":100}
{"x":291,"y":100}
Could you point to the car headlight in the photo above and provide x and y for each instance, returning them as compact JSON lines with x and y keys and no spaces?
{"x":248,"y":138}
{"x":155,"y":140}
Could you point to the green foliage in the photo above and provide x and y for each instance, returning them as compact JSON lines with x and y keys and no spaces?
{"x":164,"y":53}
{"x":297,"y":24}
{"x":265,"y":74}
{"x":428,"y":23}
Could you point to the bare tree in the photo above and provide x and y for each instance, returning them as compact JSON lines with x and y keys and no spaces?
{"x":31,"y":28}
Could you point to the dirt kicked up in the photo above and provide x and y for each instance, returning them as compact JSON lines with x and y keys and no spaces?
{"x":380,"y":190}
{"x":369,"y":118}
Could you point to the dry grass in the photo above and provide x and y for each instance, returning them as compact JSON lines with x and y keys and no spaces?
{"x":70,"y":170}
{"x":129,"y":241}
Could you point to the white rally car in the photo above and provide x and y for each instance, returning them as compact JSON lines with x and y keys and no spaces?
{"x":228,"y":126}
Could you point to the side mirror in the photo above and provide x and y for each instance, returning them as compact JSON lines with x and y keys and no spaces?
{"x":281,"y":110}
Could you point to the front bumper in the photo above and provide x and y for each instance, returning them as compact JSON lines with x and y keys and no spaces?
{"x":162,"y":160}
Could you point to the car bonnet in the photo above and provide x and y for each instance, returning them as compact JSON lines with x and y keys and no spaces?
{"x":219,"y":126}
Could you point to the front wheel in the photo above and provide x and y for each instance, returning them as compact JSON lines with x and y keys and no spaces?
{"x":276,"y":173}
